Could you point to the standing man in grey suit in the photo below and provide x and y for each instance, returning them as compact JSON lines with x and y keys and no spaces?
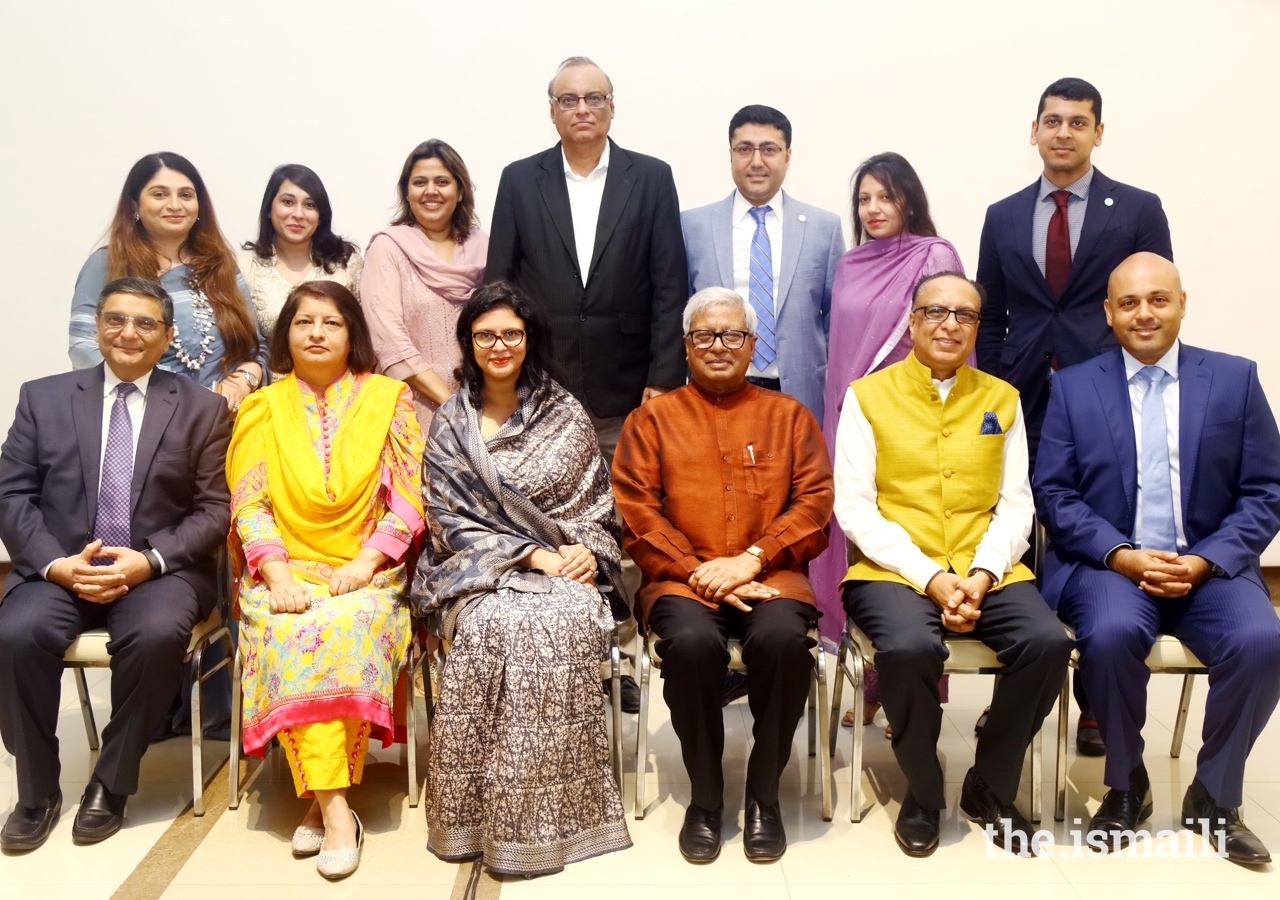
{"x":778,"y":252}
{"x":592,"y":233}
{"x":113,"y":500}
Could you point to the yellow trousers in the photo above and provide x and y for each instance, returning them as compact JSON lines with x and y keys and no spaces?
{"x":326,"y":756}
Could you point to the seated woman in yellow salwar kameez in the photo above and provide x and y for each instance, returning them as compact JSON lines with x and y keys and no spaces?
{"x":325,"y":469}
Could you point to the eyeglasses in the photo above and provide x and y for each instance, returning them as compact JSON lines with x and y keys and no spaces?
{"x":731,"y":339}
{"x":940,"y":313}
{"x":512,"y":337}
{"x":570,"y":101}
{"x":114,"y":321}
{"x":746,"y":151}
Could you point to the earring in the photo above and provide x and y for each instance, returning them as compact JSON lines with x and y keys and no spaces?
{"x":136,"y":217}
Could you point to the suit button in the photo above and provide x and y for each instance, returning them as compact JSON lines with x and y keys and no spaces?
{"x":724,"y":459}
{"x":1048,"y":355}
{"x":946,"y":432}
{"x":947,"y":513}
{"x":582,"y":318}
{"x":728,"y":487}
{"x":946,"y":473}
{"x":933,"y":396}
{"x":729,"y":518}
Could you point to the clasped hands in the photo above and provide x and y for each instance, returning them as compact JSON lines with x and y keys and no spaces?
{"x":572,"y":561}
{"x":100,"y":584}
{"x":288,"y":595}
{"x":731,"y":580}
{"x":959,"y":598}
{"x":1161,"y":573}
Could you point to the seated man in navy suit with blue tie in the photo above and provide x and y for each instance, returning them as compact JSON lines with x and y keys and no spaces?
{"x":113,"y":501}
{"x":1158,"y":480}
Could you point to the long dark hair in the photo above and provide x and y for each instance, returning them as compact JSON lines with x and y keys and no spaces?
{"x":130,"y":253}
{"x":360,"y":356}
{"x":537,"y":368}
{"x":903,"y":184}
{"x":464,"y":216}
{"x":327,"y":249}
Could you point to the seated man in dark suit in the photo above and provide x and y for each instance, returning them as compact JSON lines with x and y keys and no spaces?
{"x":1159,"y":483}
{"x":113,"y":500}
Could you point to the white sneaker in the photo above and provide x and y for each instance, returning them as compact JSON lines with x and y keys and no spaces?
{"x":334,"y":864}
{"x":307,"y":840}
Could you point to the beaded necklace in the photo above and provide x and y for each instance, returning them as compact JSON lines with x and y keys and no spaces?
{"x":202,"y":312}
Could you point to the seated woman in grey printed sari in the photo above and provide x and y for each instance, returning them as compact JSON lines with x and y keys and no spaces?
{"x":523,"y":572}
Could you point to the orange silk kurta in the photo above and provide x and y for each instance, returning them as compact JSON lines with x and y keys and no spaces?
{"x":698,"y":476}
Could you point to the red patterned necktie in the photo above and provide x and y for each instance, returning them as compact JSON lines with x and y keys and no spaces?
{"x":1057,"y":248}
{"x":112,"y":527}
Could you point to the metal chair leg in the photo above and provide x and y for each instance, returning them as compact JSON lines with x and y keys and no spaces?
{"x":233,"y":761}
{"x":855,"y":778}
{"x":1060,"y":787}
{"x":812,"y":716}
{"x":615,"y":700}
{"x":86,"y":709}
{"x":824,"y":762}
{"x":834,"y":724}
{"x":411,"y":719}
{"x":1184,"y":704}
{"x":642,"y":730}
{"x":197,"y":730}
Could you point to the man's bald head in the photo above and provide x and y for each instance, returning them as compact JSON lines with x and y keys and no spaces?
{"x":1145,"y":305}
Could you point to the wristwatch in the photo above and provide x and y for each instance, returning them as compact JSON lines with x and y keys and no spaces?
{"x":250,"y":379}
{"x":153,"y":558}
{"x":758,"y":554}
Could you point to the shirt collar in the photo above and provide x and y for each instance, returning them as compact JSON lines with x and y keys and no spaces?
{"x":1079,"y":187}
{"x":1168,"y":362}
{"x":110,"y":381}
{"x":602,"y":166}
{"x":742,"y":207}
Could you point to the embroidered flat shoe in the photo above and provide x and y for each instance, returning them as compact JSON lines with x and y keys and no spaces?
{"x":335,"y":864}
{"x":307,"y":840}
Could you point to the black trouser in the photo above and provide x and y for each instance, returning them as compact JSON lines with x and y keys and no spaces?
{"x":150,"y":629}
{"x":776,"y":649}
{"x":906,"y":629}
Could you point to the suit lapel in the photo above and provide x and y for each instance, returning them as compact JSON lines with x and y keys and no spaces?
{"x":162,"y":402}
{"x":1113,"y":392}
{"x":792,"y":237}
{"x":618,"y":182}
{"x":556,"y":197}
{"x":722,"y":238}
{"x":1097,"y":215}
{"x":1026,"y":237}
{"x":1194,"y":382}
{"x":86,"y":415}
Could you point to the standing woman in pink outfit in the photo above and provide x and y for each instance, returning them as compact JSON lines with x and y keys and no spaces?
{"x":895,"y":246}
{"x":420,"y":270}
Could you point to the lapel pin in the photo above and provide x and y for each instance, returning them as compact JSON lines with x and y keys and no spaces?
{"x":800,"y":217}
{"x":1108,"y":202}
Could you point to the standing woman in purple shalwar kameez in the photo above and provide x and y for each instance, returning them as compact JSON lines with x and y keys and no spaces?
{"x":895,"y":247}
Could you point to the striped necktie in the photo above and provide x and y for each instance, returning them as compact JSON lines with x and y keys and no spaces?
{"x":761,"y":293}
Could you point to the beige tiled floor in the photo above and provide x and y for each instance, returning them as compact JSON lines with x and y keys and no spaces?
{"x":246,"y":854}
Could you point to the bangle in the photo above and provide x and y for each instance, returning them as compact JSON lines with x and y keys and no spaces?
{"x":270,"y":558}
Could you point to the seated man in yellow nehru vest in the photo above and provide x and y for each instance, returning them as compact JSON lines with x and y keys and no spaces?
{"x":932,"y":489}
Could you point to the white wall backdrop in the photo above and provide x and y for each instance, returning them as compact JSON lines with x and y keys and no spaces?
{"x":239,"y":86}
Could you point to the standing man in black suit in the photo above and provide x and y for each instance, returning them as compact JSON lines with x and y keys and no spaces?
{"x":113,"y":500}
{"x":1045,"y":256}
{"x":592,"y":232}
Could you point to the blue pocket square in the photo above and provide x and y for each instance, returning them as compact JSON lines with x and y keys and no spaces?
{"x":990,"y":424}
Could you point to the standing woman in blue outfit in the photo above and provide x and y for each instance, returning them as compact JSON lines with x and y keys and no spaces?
{"x":165,"y":229}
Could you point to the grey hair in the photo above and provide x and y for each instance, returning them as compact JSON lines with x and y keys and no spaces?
{"x":569,"y":63}
{"x":140,"y":287}
{"x":717,"y":296}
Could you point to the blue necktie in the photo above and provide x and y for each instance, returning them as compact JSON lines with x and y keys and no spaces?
{"x":761,"y":293}
{"x":112,"y":526}
{"x":1157,"y":486}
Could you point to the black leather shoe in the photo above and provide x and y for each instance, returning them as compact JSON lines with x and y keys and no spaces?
{"x":100,"y":815}
{"x":981,"y":723}
{"x":1121,"y":812}
{"x":916,"y":830}
{"x":28,"y":826}
{"x":763,"y":838}
{"x":1088,"y":737}
{"x":700,"y":834}
{"x":630,"y":693}
{"x":735,"y":686}
{"x":1007,"y":828}
{"x":1200,"y":812}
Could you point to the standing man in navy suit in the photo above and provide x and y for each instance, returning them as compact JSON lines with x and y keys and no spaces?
{"x":1044,"y":259}
{"x":781,"y":254}
{"x":592,"y":232}
{"x":1159,"y":483}
{"x":113,"y":501}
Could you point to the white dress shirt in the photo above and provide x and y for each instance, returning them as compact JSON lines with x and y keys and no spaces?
{"x":886,"y":543}
{"x":585,"y":194}
{"x":1138,"y":390}
{"x":744,"y":228}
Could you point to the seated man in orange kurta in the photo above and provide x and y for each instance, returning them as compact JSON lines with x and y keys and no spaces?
{"x":725,"y":489}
